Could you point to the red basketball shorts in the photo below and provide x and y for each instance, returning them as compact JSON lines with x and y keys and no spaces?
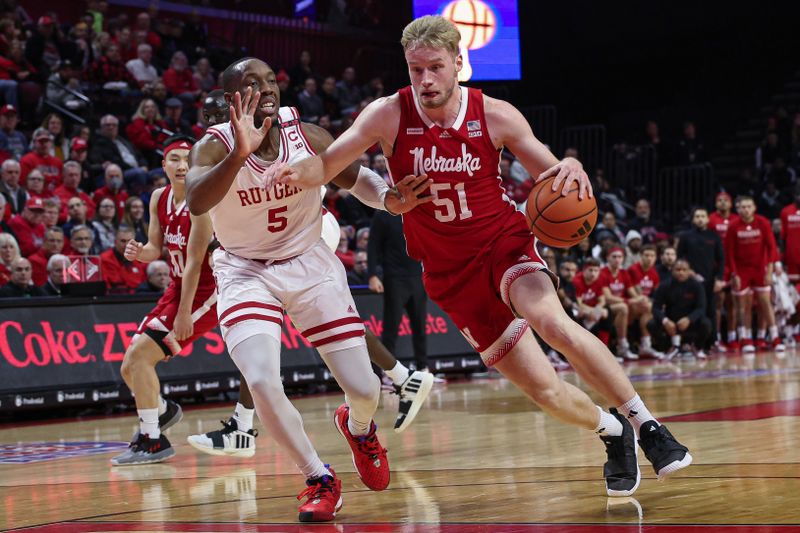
{"x":159,"y":322}
{"x":751,"y":280}
{"x":477,"y":296}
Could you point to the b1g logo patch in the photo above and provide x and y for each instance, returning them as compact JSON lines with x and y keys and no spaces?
{"x":35,"y":452}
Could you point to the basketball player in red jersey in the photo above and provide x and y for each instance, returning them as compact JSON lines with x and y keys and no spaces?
{"x":751,"y":252}
{"x":272,"y":259}
{"x":185,"y":312}
{"x":472,"y":237}
{"x":719,"y":221}
{"x":790,"y":235}
{"x":643,"y":274}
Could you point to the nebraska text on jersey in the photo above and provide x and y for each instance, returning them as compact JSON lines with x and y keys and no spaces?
{"x":465,"y":163}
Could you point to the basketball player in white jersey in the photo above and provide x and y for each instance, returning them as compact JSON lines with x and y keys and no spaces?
{"x":272,"y":259}
{"x":455,"y":135}
{"x":237,"y":438}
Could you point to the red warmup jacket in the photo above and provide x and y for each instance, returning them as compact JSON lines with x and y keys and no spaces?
{"x":121,"y":276}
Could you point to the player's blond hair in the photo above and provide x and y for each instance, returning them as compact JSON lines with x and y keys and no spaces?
{"x":433,"y":31}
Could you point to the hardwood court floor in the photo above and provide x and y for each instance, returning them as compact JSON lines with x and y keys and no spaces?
{"x":479,"y":458}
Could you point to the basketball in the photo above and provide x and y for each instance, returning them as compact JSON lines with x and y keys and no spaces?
{"x":474,"y":19}
{"x":560,"y":221}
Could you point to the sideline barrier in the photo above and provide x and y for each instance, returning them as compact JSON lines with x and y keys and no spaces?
{"x":68,"y":351}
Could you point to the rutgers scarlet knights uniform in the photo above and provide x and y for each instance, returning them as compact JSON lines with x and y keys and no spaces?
{"x":750,"y":247}
{"x":471,"y":240}
{"x":272,"y":257}
{"x":176,"y":224}
{"x":790,"y":233}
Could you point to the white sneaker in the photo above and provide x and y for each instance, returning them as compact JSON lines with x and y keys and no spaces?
{"x":651,"y":352}
{"x":672,"y":353}
{"x":719,"y":347}
{"x":413,"y":393}
{"x":698,"y":353}
{"x":626,"y":353}
{"x":228,"y":441}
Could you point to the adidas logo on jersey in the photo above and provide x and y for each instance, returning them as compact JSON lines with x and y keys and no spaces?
{"x":350,"y":309}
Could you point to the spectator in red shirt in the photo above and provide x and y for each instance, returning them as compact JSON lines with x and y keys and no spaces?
{"x":69,"y":189}
{"x":113,"y":189}
{"x":751,"y":252}
{"x":28,"y":227}
{"x":110,"y":72}
{"x":40,"y":158}
{"x":143,"y":26}
{"x":147,"y":131}
{"x":53,"y":244}
{"x":179,"y":79}
{"x":81,"y":241}
{"x":121,"y":276}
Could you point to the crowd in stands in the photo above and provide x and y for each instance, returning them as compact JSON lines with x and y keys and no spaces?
{"x":87,"y":104}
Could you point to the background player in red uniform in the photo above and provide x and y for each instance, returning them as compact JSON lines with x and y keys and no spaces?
{"x":592,"y":309}
{"x":186,"y":311}
{"x":790,"y":235}
{"x":750,"y":252}
{"x":471,"y":237}
{"x":719,"y":221}
{"x":643,"y":274}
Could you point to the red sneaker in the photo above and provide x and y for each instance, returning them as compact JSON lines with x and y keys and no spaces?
{"x":761,"y":345}
{"x":733,"y":346}
{"x":369,"y":457}
{"x":324,"y":498}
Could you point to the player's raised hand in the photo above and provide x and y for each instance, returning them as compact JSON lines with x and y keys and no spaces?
{"x":407,"y":194}
{"x":567,"y":171}
{"x":132,"y":250}
{"x":247,"y":136}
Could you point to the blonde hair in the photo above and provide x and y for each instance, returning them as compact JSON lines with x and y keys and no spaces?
{"x":7,"y":238}
{"x":433,"y":31}
{"x":140,"y":110}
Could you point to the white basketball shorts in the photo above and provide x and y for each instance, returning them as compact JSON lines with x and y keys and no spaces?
{"x":311,"y":288}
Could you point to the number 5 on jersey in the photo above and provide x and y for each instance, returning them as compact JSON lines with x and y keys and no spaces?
{"x":445,"y":210}
{"x":277,"y":220}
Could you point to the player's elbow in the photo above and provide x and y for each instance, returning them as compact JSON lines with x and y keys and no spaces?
{"x":195,"y":204}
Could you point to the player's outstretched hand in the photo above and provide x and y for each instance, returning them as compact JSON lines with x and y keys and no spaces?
{"x":183,"y":326}
{"x":247,"y":137}
{"x":280,"y":173}
{"x":132,"y":250}
{"x":407,"y":194}
{"x":567,"y":171}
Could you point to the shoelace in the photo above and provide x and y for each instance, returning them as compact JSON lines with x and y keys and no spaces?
{"x":228,"y":427}
{"x":324,"y":484}
{"x":368,"y":444}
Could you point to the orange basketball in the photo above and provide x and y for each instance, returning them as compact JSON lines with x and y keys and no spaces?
{"x":560,"y":221}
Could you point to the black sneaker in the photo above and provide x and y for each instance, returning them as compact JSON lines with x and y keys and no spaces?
{"x":145,"y":450}
{"x":622,"y":468}
{"x":660,"y":447}
{"x":229,"y":440}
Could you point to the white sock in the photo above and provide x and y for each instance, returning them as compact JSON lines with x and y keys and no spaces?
{"x":623,"y":343}
{"x":731,"y":336}
{"x":676,"y":341}
{"x":316,"y":470}
{"x":162,"y":405}
{"x":148,"y":422}
{"x":762,"y":334}
{"x":635,"y":410}
{"x":773,"y":332}
{"x":744,"y":333}
{"x":608,"y":425}
{"x":399,"y":373}
{"x":357,"y":427}
{"x":243,"y":417}
{"x":646,"y":342}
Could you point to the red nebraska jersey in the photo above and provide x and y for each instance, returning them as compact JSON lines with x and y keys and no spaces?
{"x":646,"y":281}
{"x":750,"y":246}
{"x":790,"y":233}
{"x":470,"y":203}
{"x":719,"y":224}
{"x":176,"y":224}
{"x":588,"y":294}
{"x":618,"y":284}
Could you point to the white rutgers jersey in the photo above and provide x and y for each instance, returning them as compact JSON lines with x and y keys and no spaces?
{"x":277,"y":224}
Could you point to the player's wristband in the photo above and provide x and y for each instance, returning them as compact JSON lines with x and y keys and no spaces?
{"x":370,"y":188}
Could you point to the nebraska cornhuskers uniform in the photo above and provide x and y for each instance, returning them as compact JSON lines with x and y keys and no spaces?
{"x":176,"y":224}
{"x":588,"y":293}
{"x":750,"y":247}
{"x":471,"y":240}
{"x":790,"y":233}
{"x":647,"y":281}
{"x":272,"y":256}
{"x":617,"y":283}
